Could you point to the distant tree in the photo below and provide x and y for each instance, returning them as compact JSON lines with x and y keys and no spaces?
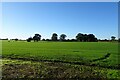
{"x":43,"y":39}
{"x":72,"y":40}
{"x":5,"y":39}
{"x":54,"y":37}
{"x":79,"y":37}
{"x":91,"y":38}
{"x":99,"y":39}
{"x":113,"y":38}
{"x":62,"y":37}
{"x":29,"y":39}
{"x":48,"y":40}
{"x":16,"y":39}
{"x":37,"y":37}
{"x":106,"y":40}
{"x":68,"y":40}
{"x":85,"y":37}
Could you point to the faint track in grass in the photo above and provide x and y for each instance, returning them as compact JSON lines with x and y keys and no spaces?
{"x":102,"y":58}
{"x":76,"y":63}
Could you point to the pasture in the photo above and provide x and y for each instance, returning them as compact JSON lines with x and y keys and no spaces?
{"x":95,"y":57}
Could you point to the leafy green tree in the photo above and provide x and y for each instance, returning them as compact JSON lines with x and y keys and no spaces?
{"x":16,"y":39}
{"x":79,"y":37}
{"x":54,"y":37}
{"x":91,"y":38}
{"x":85,"y":37}
{"x":43,"y":39}
{"x":48,"y":40}
{"x":37,"y":37}
{"x":62,"y":37}
{"x":29,"y":39}
{"x":113,"y":38}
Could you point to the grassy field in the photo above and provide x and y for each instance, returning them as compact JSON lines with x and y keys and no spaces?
{"x":95,"y":57}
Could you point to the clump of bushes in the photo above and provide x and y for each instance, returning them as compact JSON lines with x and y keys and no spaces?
{"x":29,"y":39}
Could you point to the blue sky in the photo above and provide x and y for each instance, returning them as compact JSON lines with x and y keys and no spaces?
{"x":24,"y":19}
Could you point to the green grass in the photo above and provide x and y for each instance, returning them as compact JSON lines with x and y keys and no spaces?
{"x":49,"y":70}
{"x":89,"y":53}
{"x":63,"y":51}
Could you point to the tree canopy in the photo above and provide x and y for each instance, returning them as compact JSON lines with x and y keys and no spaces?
{"x":79,"y":37}
{"x":54,"y":37}
{"x":113,"y":38}
{"x":62,"y":37}
{"x":37,"y":37}
{"x":86,"y":38}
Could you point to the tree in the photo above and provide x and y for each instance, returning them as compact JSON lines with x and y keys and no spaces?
{"x":29,"y":39}
{"x":85,"y":37}
{"x":113,"y":38}
{"x":79,"y":37}
{"x":91,"y":38}
{"x":62,"y":37}
{"x":54,"y":37}
{"x":68,"y":40}
{"x":48,"y":40}
{"x":16,"y":39}
{"x":37,"y":37}
{"x":43,"y":39}
{"x":72,"y":40}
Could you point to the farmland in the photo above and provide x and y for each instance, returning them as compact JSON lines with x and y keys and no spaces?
{"x":98,"y":59}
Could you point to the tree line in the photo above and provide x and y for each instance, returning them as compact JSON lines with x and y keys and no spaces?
{"x":79,"y":37}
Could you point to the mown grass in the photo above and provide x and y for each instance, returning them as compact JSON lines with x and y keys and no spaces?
{"x":90,"y":54}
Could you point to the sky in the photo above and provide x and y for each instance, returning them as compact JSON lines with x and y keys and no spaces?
{"x":24,"y":19}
